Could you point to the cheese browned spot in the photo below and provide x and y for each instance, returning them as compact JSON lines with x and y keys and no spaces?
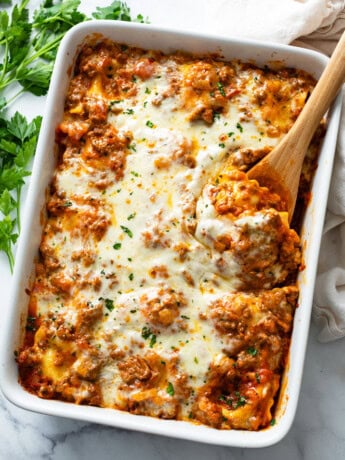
{"x":166,"y":282}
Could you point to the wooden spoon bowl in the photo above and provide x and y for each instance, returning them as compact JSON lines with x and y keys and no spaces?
{"x":281,"y":169}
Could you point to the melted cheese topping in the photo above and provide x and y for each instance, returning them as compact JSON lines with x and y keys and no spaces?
{"x":159,"y":289}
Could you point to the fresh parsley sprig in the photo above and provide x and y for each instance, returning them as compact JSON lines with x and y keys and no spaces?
{"x":29,"y":48}
{"x":118,"y":11}
{"x":18,"y":140}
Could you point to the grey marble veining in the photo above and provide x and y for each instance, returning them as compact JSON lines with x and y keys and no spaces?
{"x":318,"y":432}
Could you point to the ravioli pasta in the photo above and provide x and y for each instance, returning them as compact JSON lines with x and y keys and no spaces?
{"x":166,"y":280}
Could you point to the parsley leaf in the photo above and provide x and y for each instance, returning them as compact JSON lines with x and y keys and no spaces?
{"x":35,"y":79}
{"x":20,"y":128}
{"x":12,"y":177}
{"x":117,"y":10}
{"x":28,"y":49}
{"x":221,"y":88}
{"x":51,"y":22}
{"x":7,"y":238}
{"x":146,"y":332}
{"x":170,"y":389}
{"x":127,"y":231}
{"x":153,"y":340}
{"x":252,"y":351}
{"x":7,"y":203}
{"x":17,"y":147}
{"x":109,"y":304}
{"x":239,"y":127}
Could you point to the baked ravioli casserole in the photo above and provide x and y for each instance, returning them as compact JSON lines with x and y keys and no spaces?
{"x":166,"y":279}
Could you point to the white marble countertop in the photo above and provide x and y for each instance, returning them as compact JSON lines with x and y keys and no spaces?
{"x":318,"y":432}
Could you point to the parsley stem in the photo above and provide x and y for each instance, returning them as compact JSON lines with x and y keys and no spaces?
{"x":7,"y":245}
{"x":48,"y":47}
{"x":4,"y":65}
{"x":10,"y":79}
{"x":23,"y":5}
{"x":19,"y":189}
{"x":10,"y":257}
{"x":8,"y":101}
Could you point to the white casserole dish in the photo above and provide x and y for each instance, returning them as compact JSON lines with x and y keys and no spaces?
{"x":166,"y":40}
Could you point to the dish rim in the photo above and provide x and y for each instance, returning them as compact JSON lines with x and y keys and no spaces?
{"x":184,"y":430}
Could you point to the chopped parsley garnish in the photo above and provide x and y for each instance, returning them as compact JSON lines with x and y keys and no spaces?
{"x":185,"y":317}
{"x":145,"y":332}
{"x":147,"y":90}
{"x":31,"y":323}
{"x":111,"y":103}
{"x":241,"y":401}
{"x":231,"y":133}
{"x":109,"y":303}
{"x":117,"y":246}
{"x":170,"y":389}
{"x":221,"y":88}
{"x":222,"y":145}
{"x":149,"y":124}
{"x":135,"y":174}
{"x":153,"y":340}
{"x":127,"y":231}
{"x":67,"y":204}
{"x":131,"y":276}
{"x":252,"y":351}
{"x":131,"y":216}
{"x":129,"y":112}
{"x":273,"y":422}
{"x":239,"y":127}
{"x":226,"y":399}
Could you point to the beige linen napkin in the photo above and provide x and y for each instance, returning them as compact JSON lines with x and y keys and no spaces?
{"x":329,"y":299}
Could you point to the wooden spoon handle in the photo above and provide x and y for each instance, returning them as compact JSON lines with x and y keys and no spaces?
{"x":321,"y":98}
{"x":280,"y":170}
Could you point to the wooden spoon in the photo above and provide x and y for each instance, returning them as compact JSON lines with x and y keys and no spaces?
{"x":280,"y":170}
